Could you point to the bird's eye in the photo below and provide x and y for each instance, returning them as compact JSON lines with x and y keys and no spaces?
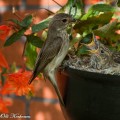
{"x":102,"y":51}
{"x":64,"y":20}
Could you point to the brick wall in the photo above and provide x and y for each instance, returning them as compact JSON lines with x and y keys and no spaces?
{"x":45,"y":105}
{"x":24,"y":7}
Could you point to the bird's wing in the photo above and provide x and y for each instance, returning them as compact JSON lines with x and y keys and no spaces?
{"x":48,"y":52}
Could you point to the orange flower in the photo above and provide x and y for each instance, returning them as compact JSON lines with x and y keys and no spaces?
{"x":87,"y":2}
{"x":7,"y":89}
{"x":4,"y":31}
{"x":3,"y":62}
{"x":3,"y":105}
{"x":18,"y":83}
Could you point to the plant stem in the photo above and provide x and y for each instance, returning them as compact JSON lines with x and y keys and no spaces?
{"x":57,"y":3}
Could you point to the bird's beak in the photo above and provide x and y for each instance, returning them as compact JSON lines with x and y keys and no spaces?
{"x":72,"y":19}
{"x":96,"y":51}
{"x":90,"y":45}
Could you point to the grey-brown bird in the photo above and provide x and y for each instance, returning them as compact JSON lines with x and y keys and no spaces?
{"x":54,"y":50}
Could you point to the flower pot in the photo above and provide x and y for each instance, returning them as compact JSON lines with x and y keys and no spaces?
{"x":92,"y":96}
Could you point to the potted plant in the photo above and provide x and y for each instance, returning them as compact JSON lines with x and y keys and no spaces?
{"x":93,"y":66}
{"x":92,"y":89}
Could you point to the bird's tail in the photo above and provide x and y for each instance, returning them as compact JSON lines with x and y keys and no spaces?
{"x":54,"y":83}
{"x":32,"y":77}
{"x":59,"y":95}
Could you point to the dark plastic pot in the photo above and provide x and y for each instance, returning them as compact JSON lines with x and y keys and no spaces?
{"x":92,"y":96}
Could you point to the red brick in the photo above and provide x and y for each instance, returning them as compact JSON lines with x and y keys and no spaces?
{"x":18,"y":107}
{"x":10,"y":2}
{"x":45,"y":2}
{"x":7,"y":15}
{"x":39,"y":15}
{"x":44,"y":89}
{"x":13,"y":53}
{"x":35,"y":2}
{"x":61,"y":2}
{"x":45,"y":111}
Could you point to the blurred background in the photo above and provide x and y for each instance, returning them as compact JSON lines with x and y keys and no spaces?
{"x":44,"y":106}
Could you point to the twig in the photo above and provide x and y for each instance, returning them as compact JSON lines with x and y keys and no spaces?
{"x":57,"y":3}
{"x":48,"y":10}
{"x":24,"y":48}
{"x":23,"y":57}
{"x":14,"y":12}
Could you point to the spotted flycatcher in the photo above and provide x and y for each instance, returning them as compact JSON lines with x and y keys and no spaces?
{"x":54,"y":50}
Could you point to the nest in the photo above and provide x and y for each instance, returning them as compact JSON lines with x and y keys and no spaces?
{"x":84,"y":64}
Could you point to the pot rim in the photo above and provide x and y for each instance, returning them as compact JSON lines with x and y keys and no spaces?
{"x":91,"y":75}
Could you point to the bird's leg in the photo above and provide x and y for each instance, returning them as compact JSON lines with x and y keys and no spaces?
{"x":51,"y":75}
{"x":45,"y":77}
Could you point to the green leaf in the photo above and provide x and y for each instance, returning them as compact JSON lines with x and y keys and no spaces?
{"x":42,"y":25}
{"x":93,"y":22}
{"x":102,"y":8}
{"x":118,"y":25}
{"x":15,"y":21}
{"x":26,"y":21}
{"x":13,"y":38}
{"x":30,"y":94}
{"x":118,"y":3}
{"x":44,"y":35}
{"x":79,"y":8}
{"x":96,"y":9}
{"x":79,"y":11}
{"x":118,"y":47}
{"x":108,"y":31}
{"x":13,"y":68}
{"x":82,"y":50}
{"x":35,"y":40}
{"x":87,"y":39}
{"x":31,"y":55}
